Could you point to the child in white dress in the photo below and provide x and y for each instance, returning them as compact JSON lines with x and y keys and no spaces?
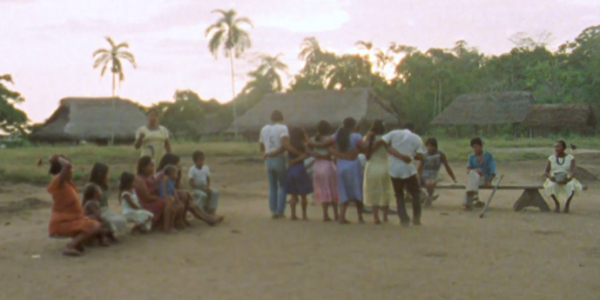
{"x":132,"y":210}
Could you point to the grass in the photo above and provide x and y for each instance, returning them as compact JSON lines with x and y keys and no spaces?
{"x":19,"y":164}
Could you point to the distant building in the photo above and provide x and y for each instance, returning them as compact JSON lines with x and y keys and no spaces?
{"x":92,"y":120}
{"x":306,"y":108}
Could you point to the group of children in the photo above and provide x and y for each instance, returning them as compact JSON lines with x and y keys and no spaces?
{"x":94,"y":204}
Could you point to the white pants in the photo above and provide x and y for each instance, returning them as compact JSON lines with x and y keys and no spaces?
{"x":474,"y":181}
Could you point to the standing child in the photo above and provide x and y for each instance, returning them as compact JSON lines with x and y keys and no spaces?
{"x":132,"y":210}
{"x":199,"y":177}
{"x":309,"y":163}
{"x":91,"y":210}
{"x":325,"y":174}
{"x":166,"y":188}
{"x":298,"y":183}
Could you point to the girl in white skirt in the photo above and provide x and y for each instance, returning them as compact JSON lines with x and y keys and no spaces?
{"x":561,"y":185}
{"x":132,"y":210}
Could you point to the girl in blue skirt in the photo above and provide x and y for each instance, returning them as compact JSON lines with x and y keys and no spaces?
{"x":298,"y":182}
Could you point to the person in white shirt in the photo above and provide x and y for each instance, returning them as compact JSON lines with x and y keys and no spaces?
{"x":404,"y":174}
{"x":205,"y":196}
{"x":274,"y":141}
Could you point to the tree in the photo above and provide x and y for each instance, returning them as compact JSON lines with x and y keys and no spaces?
{"x":183,"y":115}
{"x":269,"y":68}
{"x":113,"y":56}
{"x":12,"y":119}
{"x":226,"y":34}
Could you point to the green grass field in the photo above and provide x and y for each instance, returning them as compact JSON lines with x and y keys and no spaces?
{"x":19,"y":164}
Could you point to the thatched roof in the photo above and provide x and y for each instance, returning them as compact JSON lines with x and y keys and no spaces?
{"x":92,"y":119}
{"x":307,"y":108}
{"x":486,"y":109}
{"x":560,"y":116}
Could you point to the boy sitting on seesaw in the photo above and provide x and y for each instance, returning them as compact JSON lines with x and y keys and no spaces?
{"x":199,"y":178}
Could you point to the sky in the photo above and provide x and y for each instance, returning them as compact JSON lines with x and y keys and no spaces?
{"x":47,"y":45}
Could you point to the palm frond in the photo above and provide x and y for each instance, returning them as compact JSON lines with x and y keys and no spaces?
{"x":103,"y":69}
{"x":110,"y":41}
{"x":215,"y":42}
{"x":103,"y":59}
{"x":122,"y":45}
{"x":244,"y":20}
{"x":220,"y":11}
{"x":127,"y":56}
{"x":100,"y":51}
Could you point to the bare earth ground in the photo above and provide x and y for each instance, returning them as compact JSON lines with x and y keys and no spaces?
{"x":454,"y":255}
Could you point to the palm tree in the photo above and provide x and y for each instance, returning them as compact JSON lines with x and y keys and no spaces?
{"x":226,"y":34}
{"x":369,"y":47}
{"x":113,"y":56}
{"x":269,"y":68}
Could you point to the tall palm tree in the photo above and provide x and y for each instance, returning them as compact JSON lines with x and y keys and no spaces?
{"x":103,"y":57}
{"x":113,"y":56}
{"x":226,"y":34}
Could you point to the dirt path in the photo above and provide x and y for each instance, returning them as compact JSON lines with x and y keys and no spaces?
{"x":455,"y":255}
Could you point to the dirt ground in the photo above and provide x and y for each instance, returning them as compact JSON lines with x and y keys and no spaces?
{"x":454,"y":255}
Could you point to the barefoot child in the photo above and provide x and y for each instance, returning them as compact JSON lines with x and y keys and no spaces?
{"x":205,"y":196}
{"x":166,"y":188}
{"x":91,"y":210}
{"x":430,"y":166}
{"x":298,"y":183}
{"x":132,"y":210}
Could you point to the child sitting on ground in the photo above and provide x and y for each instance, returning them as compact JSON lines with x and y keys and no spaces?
{"x":199,"y":177}
{"x":132,"y":210}
{"x":166,"y":188}
{"x":91,"y":210}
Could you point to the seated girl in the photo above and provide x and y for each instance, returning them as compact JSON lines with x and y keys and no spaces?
{"x":91,"y":210}
{"x":560,"y":184}
{"x":429,"y":168}
{"x":99,"y":176}
{"x":132,"y":210}
{"x":67,"y":219}
{"x":166,"y":188}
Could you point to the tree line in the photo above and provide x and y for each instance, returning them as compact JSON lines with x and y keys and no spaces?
{"x":417,"y":84}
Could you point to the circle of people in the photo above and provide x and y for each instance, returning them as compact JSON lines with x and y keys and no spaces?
{"x":329,"y":166}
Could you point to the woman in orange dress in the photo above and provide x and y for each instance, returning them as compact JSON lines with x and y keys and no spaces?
{"x":67,"y":219}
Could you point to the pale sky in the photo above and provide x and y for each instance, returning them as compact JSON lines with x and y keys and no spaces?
{"x":47,"y":45}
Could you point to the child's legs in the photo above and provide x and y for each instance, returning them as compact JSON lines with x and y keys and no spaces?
{"x":430,"y":186}
{"x":359,"y":210}
{"x":213,"y":203}
{"x":304,"y":205}
{"x":293,"y":203}
{"x":79,"y":240}
{"x":325,"y":206}
{"x":385,"y":209}
{"x":334,"y":204}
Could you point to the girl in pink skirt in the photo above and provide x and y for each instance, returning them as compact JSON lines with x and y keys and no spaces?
{"x":324,"y":174}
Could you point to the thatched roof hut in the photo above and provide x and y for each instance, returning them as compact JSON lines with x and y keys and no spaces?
{"x":486,"y":109}
{"x":91,"y":119}
{"x":572,"y":116}
{"x":306,"y":108}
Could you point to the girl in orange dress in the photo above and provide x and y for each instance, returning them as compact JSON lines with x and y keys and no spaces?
{"x":67,"y":219}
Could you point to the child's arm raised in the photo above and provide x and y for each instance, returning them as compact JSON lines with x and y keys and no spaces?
{"x":130,"y":202}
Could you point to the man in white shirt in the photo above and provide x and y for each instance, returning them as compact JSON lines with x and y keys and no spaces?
{"x":274,"y":141}
{"x":404,"y":175}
